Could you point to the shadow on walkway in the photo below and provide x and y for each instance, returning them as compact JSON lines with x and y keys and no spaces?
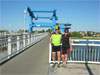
{"x":89,"y":69}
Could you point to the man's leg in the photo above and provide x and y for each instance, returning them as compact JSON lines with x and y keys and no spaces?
{"x":53,"y":59}
{"x":66,"y":58}
{"x":53,"y":56}
{"x":63,"y":58}
{"x":64,"y":55}
{"x":58,"y":56}
{"x":67,"y":54}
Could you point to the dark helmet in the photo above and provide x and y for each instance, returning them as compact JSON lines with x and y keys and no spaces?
{"x":66,"y":30}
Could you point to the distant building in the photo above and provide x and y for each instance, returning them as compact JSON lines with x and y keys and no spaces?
{"x":97,"y":34}
{"x":88,"y":33}
{"x":3,"y":32}
{"x":82,"y":33}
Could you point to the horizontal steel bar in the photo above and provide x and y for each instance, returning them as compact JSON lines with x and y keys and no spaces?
{"x":43,"y":11}
{"x":44,"y":17}
{"x":79,"y":62}
{"x":83,"y":40}
{"x":86,"y":44}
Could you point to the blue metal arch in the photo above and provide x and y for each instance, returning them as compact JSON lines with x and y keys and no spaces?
{"x":54,"y":18}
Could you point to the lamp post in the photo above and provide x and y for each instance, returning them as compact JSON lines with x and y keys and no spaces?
{"x":25,"y":12}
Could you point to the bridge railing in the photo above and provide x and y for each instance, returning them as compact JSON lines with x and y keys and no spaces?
{"x":82,"y":53}
{"x":85,"y":53}
{"x":15,"y":44}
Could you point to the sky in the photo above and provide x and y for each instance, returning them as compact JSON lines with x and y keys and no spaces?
{"x":84,"y":15}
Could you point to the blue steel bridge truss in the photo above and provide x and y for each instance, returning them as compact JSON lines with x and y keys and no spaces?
{"x":51,"y":25}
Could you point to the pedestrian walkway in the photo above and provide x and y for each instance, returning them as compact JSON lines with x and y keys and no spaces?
{"x":76,"y":69}
{"x":35,"y":61}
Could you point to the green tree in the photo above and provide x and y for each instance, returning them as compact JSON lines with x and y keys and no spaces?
{"x":76,"y":34}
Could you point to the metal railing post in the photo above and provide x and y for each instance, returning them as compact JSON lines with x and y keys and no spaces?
{"x":36,"y":37}
{"x":31,"y":38}
{"x":14,"y":47}
{"x":24,"y":40}
{"x":28,"y":38}
{"x":9,"y":46}
{"x":18,"y":43}
{"x":50,"y":50}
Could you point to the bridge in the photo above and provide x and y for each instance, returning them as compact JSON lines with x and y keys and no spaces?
{"x":32,"y":57}
{"x":30,"y":53}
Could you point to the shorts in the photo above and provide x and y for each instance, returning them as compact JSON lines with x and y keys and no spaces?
{"x":56,"y":48}
{"x":65,"y":50}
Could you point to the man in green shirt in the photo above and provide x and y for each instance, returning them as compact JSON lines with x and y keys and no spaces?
{"x":56,"y":46}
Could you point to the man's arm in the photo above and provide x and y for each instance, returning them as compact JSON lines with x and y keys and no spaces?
{"x":70,"y":41}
